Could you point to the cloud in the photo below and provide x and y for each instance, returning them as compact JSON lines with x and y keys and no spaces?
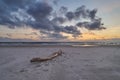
{"x":55,"y":2}
{"x":92,"y":14}
{"x":33,"y":33}
{"x":94,"y":25}
{"x":11,"y":12}
{"x":63,"y":9}
{"x":40,"y":10}
{"x":5,"y":39}
{"x":70,"y":15}
{"x":81,"y":12}
{"x":39,"y":15}
{"x":57,"y":36}
{"x":9,"y":35}
{"x":72,"y":30}
{"x":51,"y":35}
{"x":58,"y":20}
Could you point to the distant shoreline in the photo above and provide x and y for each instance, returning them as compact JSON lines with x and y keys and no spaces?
{"x":74,"y":46}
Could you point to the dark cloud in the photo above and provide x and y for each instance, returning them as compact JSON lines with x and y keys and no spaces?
{"x":12,"y":2}
{"x":39,"y":15}
{"x":81,"y":12}
{"x":44,"y":23}
{"x":57,"y":35}
{"x":40,"y":10}
{"x":51,"y":35}
{"x":58,"y":20}
{"x":94,"y":25}
{"x":70,"y":15}
{"x":63,"y":9}
{"x":92,"y":13}
{"x":55,"y":2}
{"x":72,"y":30}
{"x":11,"y":12}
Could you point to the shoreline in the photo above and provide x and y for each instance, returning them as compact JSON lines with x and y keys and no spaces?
{"x":76,"y":46}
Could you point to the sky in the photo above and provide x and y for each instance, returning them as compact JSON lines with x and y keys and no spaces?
{"x":59,"y":20}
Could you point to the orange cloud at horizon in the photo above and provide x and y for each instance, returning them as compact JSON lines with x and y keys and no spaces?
{"x":109,"y":33}
{"x":28,"y":33}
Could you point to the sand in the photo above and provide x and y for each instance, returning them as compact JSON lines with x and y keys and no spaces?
{"x":77,"y":63}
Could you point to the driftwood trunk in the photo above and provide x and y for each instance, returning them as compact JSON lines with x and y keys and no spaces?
{"x":52,"y":56}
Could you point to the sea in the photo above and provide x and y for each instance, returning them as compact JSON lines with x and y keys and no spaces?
{"x":73,"y":44}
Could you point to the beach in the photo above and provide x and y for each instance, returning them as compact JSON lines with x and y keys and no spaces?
{"x":76,"y":63}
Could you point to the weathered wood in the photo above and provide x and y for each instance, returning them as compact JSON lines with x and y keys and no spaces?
{"x":52,"y":56}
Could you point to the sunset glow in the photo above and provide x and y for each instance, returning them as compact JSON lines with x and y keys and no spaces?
{"x":62,"y":20}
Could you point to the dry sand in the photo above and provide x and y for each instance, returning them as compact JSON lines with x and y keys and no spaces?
{"x":77,"y":63}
